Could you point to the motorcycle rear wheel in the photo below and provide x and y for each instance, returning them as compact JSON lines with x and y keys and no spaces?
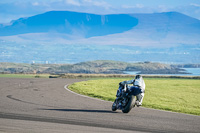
{"x":129,"y":105}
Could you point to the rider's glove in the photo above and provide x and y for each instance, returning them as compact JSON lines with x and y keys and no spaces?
{"x":123,"y":83}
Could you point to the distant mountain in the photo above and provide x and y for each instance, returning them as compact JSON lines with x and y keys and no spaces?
{"x":66,"y":22}
{"x":168,"y":27}
{"x":168,"y":22}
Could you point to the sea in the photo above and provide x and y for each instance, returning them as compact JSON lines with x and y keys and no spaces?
{"x":192,"y":71}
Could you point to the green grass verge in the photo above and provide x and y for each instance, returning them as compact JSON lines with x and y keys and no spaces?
{"x":25,"y":75}
{"x":178,"y":95}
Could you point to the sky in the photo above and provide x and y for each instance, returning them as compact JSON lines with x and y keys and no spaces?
{"x":15,"y":9}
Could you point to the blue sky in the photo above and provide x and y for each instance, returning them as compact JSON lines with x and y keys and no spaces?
{"x":15,"y":9}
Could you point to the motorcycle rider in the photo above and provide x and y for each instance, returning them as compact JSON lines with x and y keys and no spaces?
{"x":137,"y":89}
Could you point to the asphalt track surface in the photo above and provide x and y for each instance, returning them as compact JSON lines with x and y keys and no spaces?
{"x":44,"y":105}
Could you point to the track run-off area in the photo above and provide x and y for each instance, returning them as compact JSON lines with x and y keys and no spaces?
{"x":46,"y":105}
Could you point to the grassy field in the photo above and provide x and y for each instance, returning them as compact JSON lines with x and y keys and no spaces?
{"x":178,"y":95}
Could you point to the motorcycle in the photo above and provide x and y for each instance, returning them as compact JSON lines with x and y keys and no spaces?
{"x":125,"y":102}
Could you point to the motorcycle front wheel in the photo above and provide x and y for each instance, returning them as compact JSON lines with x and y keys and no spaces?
{"x":114,"y":106}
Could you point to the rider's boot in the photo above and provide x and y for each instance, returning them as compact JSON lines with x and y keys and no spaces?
{"x":138,"y":104}
{"x":139,"y":100}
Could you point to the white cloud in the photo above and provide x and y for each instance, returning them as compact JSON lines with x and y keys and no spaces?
{"x":35,"y":3}
{"x":194,"y":4}
{"x":139,"y":5}
{"x":135,"y":6}
{"x":163,"y":8}
{"x":96,"y":3}
{"x":73,"y":2}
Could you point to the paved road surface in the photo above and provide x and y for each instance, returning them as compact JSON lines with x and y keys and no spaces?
{"x":43,"y":105}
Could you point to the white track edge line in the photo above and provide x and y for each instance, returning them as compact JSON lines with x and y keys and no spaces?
{"x":66,"y":88}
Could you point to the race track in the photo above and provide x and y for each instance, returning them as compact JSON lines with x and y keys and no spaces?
{"x":44,"y":105}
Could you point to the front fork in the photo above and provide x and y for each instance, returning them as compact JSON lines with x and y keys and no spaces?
{"x":122,"y":96}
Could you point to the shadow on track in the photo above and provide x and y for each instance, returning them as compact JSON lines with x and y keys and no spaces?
{"x":82,"y":110}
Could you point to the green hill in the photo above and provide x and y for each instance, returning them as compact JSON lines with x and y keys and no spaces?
{"x":92,"y":67}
